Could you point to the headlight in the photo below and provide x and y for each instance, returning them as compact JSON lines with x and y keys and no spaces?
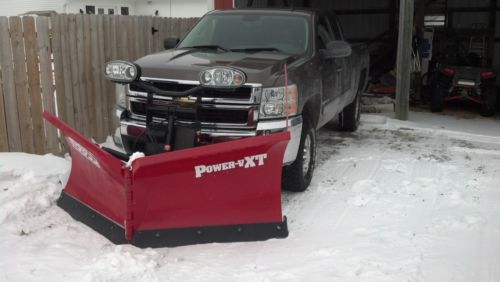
{"x":121,"y":71}
{"x":278,"y":102}
{"x":222,"y":77}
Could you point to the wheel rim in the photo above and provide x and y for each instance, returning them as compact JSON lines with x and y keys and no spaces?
{"x":306,"y":155}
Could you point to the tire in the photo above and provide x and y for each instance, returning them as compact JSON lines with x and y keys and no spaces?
{"x":349,"y":117}
{"x":437,"y":98}
{"x":489,"y":102}
{"x":297,"y":176}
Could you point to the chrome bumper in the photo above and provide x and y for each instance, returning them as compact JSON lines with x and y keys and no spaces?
{"x":295,"y":125}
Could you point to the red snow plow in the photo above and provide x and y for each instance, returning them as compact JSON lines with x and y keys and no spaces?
{"x":226,"y":192}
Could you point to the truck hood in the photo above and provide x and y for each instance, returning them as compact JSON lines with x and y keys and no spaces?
{"x":186,"y":64}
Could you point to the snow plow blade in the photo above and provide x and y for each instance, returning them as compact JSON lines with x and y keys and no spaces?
{"x":227,"y":192}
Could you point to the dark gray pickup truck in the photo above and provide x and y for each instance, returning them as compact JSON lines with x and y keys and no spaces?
{"x":226,"y":79}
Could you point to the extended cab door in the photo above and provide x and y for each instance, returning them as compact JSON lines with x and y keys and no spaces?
{"x":345,"y":64}
{"x":331,"y":80}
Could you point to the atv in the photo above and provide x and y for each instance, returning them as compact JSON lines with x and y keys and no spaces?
{"x":463,"y":78}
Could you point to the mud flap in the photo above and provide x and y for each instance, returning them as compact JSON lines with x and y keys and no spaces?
{"x":227,"y":192}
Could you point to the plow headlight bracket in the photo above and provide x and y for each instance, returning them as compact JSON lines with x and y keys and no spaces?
{"x":222,"y":77}
{"x":121,"y":71}
{"x":278,"y":102}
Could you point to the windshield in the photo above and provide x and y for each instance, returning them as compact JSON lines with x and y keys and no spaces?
{"x":244,"y":32}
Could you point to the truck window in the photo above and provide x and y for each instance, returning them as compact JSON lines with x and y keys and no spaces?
{"x":285,"y":33}
{"x":337,"y":29}
{"x":324,"y":33}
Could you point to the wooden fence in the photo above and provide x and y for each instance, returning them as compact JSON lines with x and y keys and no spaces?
{"x":56,"y":64}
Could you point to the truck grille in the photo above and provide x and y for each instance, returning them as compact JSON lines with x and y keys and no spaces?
{"x":205,"y":115}
{"x":241,"y":93}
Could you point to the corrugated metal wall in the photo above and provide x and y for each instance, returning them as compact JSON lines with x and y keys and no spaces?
{"x":364,"y":26}
{"x":355,"y":26}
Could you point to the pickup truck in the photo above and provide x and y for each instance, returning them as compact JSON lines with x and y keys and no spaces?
{"x":241,"y":73}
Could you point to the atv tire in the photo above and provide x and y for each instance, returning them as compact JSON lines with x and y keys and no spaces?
{"x":439,"y":92}
{"x":488,"y":107}
{"x":297,"y":176}
{"x":349,"y":117}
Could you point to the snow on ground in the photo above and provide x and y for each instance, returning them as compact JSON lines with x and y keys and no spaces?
{"x":395,"y":201}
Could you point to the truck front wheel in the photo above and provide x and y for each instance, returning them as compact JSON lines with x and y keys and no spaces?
{"x":297,"y":176}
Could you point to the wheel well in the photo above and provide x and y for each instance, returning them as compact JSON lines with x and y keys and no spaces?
{"x":311,"y":110}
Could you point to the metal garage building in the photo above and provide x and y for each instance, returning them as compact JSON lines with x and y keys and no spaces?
{"x":387,"y":24}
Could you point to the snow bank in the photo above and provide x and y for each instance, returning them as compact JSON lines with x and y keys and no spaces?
{"x":29,"y":184}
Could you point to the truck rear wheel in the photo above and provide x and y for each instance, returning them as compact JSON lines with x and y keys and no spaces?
{"x":349,"y":117}
{"x":489,"y":102}
{"x":297,"y":176}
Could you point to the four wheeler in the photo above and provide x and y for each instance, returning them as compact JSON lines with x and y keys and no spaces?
{"x":461,"y":77}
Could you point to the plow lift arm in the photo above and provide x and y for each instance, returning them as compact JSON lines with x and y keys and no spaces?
{"x":225,"y":192}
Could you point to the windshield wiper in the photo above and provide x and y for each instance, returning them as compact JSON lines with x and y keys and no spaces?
{"x":209,"y":47}
{"x":272,"y":49}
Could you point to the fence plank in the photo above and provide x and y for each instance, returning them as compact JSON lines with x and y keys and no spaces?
{"x":21,"y":84}
{"x":168,"y":30}
{"x":83,"y":86}
{"x":75,"y":77}
{"x":122,"y":38}
{"x":149,"y":36}
{"x":156,"y":35}
{"x":103,"y":107}
{"x":137,"y":42}
{"x":4,"y":141}
{"x":9,"y":89}
{"x":34,"y":84}
{"x":67,"y":70}
{"x":47,"y":80}
{"x":110,"y":54}
{"x":88,"y":93}
{"x":58,"y":67}
{"x":96,"y":73}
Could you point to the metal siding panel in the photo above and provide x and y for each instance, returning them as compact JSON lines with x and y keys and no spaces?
{"x":364,"y":26}
{"x":497,"y":25}
{"x":361,"y":4}
{"x":467,"y":19}
{"x":468,"y":3}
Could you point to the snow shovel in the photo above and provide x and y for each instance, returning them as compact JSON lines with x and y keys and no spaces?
{"x":226,"y":192}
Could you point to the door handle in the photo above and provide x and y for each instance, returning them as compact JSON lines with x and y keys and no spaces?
{"x":339,"y":69}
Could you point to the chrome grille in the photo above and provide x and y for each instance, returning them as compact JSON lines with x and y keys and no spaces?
{"x":246,"y":94}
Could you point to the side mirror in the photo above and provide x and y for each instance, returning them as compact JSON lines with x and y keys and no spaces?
{"x":337,"y":49}
{"x":170,"y":42}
